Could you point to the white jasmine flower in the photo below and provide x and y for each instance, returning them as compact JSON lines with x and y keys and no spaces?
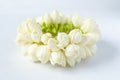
{"x":32,"y":50}
{"x":58,"y":58}
{"x":63,"y":40}
{"x":45,"y":37}
{"x":56,"y":17}
{"x":24,"y":50}
{"x":52,"y":44}
{"x":64,"y":19}
{"x":92,"y":49}
{"x":32,"y":25}
{"x":47,"y":18}
{"x":29,"y":32}
{"x":23,"y":38}
{"x":77,"y":21}
{"x":36,"y":36}
{"x":69,"y":19}
{"x":43,"y":53}
{"x":40,"y":20}
{"x":75,"y":36}
{"x":90,"y":38}
{"x":82,"y":52}
{"x":72,"y":53}
{"x":89,"y":25}
{"x":58,"y":39}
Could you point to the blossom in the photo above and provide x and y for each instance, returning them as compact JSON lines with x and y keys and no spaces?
{"x":69,"y":19}
{"x":72,"y":53}
{"x":89,"y":25}
{"x":58,"y":39}
{"x":31,"y":54}
{"x":40,"y":20}
{"x":43,"y":53}
{"x":36,"y":36}
{"x":63,"y":40}
{"x":47,"y":18}
{"x":45,"y":37}
{"x":75,"y":36}
{"x":90,"y":38}
{"x":58,"y":58}
{"x":29,"y":32}
{"x":56,"y":17}
{"x":77,"y":21}
{"x":23,"y":39}
{"x":52,"y":44}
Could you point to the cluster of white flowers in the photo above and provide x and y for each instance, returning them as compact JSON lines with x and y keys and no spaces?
{"x":58,"y":39}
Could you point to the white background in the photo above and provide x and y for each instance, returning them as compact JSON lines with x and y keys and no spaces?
{"x":105,"y":65}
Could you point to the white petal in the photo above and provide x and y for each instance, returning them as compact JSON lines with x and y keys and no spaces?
{"x":73,"y":54}
{"x":69,"y":19}
{"x":75,"y":36}
{"x":77,"y":21}
{"x":56,"y":17}
{"x":45,"y":38}
{"x":71,"y":62}
{"x":43,"y":54}
{"x":47,"y":18}
{"x":89,"y":25}
{"x":90,"y":38}
{"x":52,"y":44}
{"x":32,"y":52}
{"x":40,"y":20}
{"x":58,"y":58}
{"x":63,"y":39}
{"x":36,"y":36}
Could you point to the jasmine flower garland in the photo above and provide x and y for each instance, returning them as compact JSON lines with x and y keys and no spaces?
{"x":59,"y":39}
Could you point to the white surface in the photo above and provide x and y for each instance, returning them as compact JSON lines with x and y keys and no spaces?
{"x":105,"y":65}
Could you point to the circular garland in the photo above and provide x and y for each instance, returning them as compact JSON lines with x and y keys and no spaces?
{"x":59,"y":39}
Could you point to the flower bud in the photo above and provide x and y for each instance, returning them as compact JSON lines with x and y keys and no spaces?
{"x":63,"y":40}
{"x":43,"y":54}
{"x":45,"y":38}
{"x":77,"y":21}
{"x":75,"y":36}
{"x":89,"y":25}
{"x":47,"y":18}
{"x":32,"y":52}
{"x":52,"y":44}
{"x":58,"y":58}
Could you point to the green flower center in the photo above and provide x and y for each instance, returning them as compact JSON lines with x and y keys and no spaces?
{"x":54,"y":29}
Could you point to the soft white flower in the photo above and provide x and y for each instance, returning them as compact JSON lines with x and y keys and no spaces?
{"x":32,"y":25}
{"x":77,"y":21}
{"x":63,"y":40}
{"x":58,"y":58}
{"x":36,"y":36}
{"x":92,"y":50}
{"x":52,"y":44}
{"x":69,"y":19}
{"x":47,"y":18}
{"x":45,"y":37}
{"x":75,"y":36}
{"x":40,"y":20}
{"x":90,"y":38}
{"x":24,"y":49}
{"x":56,"y":17}
{"x":23,"y":39}
{"x":82,"y":52}
{"x":64,"y":19}
{"x":72,"y":53}
{"x":89,"y":25}
{"x":43,"y":53}
{"x":32,"y":50}
{"x":29,"y":32}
